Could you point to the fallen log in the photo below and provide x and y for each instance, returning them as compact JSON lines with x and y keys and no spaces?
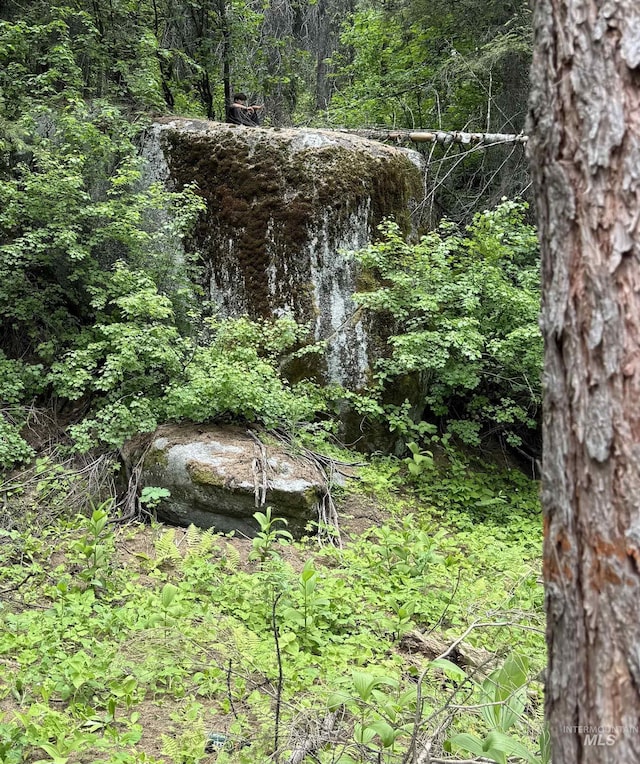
{"x":444,"y":137}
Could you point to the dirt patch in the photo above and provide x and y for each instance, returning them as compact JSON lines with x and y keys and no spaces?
{"x":158,"y":719}
{"x":357,"y":514}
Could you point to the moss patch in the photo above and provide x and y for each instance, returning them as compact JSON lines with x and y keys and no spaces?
{"x":156,"y":458}
{"x":202,"y":474}
{"x":266,"y":201}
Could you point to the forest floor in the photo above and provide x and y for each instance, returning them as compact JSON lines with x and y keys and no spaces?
{"x":139,"y":643}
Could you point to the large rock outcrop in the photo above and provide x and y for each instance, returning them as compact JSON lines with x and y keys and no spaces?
{"x":284,"y":208}
{"x":220,"y":476}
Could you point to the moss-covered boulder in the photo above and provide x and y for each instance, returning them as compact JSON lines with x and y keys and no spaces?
{"x":220,"y":476}
{"x":284,"y":209}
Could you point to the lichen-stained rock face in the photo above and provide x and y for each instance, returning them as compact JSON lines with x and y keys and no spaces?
{"x":216,"y":475}
{"x":284,"y":209}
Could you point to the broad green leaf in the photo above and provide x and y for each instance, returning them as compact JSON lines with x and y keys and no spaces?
{"x":385,"y":732}
{"x":364,"y":684}
{"x":53,"y":751}
{"x":450,"y":669}
{"x":496,"y":740}
{"x":363,"y":734}
{"x":167,"y":595}
{"x":496,"y":754}
{"x":467,"y":742}
{"x":337,"y":699}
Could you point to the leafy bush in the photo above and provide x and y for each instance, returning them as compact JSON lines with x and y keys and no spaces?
{"x":134,"y":368}
{"x":464,"y":314}
{"x":237,"y":374}
{"x":16,"y":379}
{"x":13,"y":447}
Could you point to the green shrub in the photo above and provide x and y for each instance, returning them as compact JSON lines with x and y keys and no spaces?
{"x":464,"y":313}
{"x":237,"y":374}
{"x":13,"y":447}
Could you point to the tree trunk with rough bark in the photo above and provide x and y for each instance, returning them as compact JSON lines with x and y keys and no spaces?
{"x":584,"y":144}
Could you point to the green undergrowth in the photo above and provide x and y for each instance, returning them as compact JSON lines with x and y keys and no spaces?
{"x":155,"y":644}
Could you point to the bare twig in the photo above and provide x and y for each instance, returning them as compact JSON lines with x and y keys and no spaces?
{"x":328,"y":523}
{"x":314,"y":741}
{"x":260,"y":466}
{"x":128,"y":505}
{"x":13,"y":587}
{"x":276,"y":732}
{"x":448,"y":605}
{"x":229,"y":669}
{"x":424,"y":756}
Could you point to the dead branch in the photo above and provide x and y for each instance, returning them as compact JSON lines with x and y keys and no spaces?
{"x":259,"y":467}
{"x":314,"y":740}
{"x":444,"y":137}
{"x":328,"y":522}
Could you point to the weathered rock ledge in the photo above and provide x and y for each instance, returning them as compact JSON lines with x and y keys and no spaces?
{"x":284,"y":207}
{"x":220,"y":476}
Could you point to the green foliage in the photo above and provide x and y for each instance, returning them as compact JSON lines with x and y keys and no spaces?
{"x":69,"y":211}
{"x":186,"y":627}
{"x":18,"y":380}
{"x":123,"y":360}
{"x":445,"y":66}
{"x":379,"y":69}
{"x":13,"y":447}
{"x":151,"y":496}
{"x":94,"y":549}
{"x":135,"y":368}
{"x":502,"y":699}
{"x":418,"y":64}
{"x":307,"y":622}
{"x":480,"y":61}
{"x":503,"y":694}
{"x":464,"y":311}
{"x":237,"y":373}
{"x":420,"y":461}
{"x":382,"y":714}
{"x":168,"y":609}
{"x":186,"y":744}
{"x":264,"y":543}
{"x":12,"y":743}
{"x":106,"y":322}
{"x":81,"y":321}
{"x":468,"y":489}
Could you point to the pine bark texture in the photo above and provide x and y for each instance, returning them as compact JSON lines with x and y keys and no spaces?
{"x":584,"y":145}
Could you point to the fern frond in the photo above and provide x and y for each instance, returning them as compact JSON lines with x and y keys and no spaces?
{"x":171,"y":747}
{"x":232,"y":558}
{"x":166,"y":548}
{"x":193,"y":537}
{"x":246,"y":642}
{"x":208,"y":540}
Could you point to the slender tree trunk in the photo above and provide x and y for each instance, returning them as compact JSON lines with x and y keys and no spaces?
{"x":226,"y":55}
{"x":164,"y":67}
{"x":321,"y":41}
{"x":584,"y":143}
